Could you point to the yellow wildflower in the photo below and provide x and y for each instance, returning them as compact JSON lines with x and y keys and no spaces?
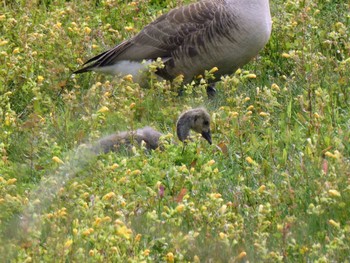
{"x":250,"y":160}
{"x":241,"y":255}
{"x":80,"y":61}
{"x":222,"y":235}
{"x":334,"y":223}
{"x":108,"y":196}
{"x":11,"y":181}
{"x":211,"y":162}
{"x":138,"y":237}
{"x":87,"y":30}
{"x":136,"y":172}
{"x":170,"y":257}
{"x":234,"y":114}
{"x":68,"y":243}
{"x":275,"y":87}
{"x":114,"y":249}
{"x":57,"y":160}
{"x":180,"y":208}
{"x":62,"y":212}
{"x":88,"y":231}
{"x":118,"y":222}
{"x":217,"y":195}
{"x":97,"y":221}
{"x":129,"y":28}
{"x":123,"y":179}
{"x":334,"y":193}
{"x":114,"y":166}
{"x":183,"y":169}
{"x":132,"y":105}
{"x":103,"y":109}
{"x":128,"y":77}
{"x":251,"y":76}
{"x":16,"y":51}
{"x":106,"y":219}
{"x":223,"y":209}
{"x":263,"y":114}
{"x":331,"y":155}
{"x":40,"y":79}
{"x":3,"y":42}
{"x":213,"y":70}
{"x":262,"y":188}
{"x":125,"y":232}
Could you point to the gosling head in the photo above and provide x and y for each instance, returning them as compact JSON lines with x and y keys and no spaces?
{"x":197,"y":120}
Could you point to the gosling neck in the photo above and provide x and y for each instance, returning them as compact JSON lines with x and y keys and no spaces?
{"x":183,"y":128}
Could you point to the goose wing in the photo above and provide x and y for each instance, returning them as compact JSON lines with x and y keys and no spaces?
{"x":162,"y":36}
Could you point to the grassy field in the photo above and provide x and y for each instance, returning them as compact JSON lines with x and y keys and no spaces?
{"x":274,"y":186}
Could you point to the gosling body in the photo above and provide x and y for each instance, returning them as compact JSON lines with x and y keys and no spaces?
{"x":124,"y":140}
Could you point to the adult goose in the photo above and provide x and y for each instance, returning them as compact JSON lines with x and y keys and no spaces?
{"x":191,"y":39}
{"x":197,"y":119}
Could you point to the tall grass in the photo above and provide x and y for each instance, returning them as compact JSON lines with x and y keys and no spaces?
{"x":273,"y":187}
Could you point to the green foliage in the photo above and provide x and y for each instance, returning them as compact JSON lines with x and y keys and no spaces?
{"x":273,"y":187}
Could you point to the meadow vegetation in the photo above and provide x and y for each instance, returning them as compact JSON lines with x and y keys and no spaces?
{"x":274,"y":186}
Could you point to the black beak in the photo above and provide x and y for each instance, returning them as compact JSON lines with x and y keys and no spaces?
{"x":207,"y":136}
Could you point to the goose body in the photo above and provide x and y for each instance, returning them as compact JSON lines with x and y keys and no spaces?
{"x":211,"y":33}
{"x":197,"y":120}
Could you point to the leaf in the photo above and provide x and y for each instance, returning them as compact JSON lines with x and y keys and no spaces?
{"x":223,"y":148}
{"x":181,"y":195}
{"x":193,"y":163}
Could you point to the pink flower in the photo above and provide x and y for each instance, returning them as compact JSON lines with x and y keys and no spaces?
{"x":161,"y":191}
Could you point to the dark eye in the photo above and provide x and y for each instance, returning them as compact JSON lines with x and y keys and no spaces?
{"x":206,"y":122}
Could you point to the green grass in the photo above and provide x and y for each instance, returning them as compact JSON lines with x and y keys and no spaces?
{"x":273,"y":187}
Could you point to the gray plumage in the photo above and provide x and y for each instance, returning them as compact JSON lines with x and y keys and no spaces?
{"x":190,"y":39}
{"x":118,"y":141}
{"x":197,"y":120}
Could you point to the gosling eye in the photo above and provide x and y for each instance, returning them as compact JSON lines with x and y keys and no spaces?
{"x":206,"y":123}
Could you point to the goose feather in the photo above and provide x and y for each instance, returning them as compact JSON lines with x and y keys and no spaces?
{"x":190,"y":39}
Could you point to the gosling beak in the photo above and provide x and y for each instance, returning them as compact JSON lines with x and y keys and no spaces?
{"x":207,"y":136}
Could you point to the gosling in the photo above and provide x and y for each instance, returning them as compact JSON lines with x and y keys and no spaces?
{"x":197,"y":120}
{"x":125,"y":139}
